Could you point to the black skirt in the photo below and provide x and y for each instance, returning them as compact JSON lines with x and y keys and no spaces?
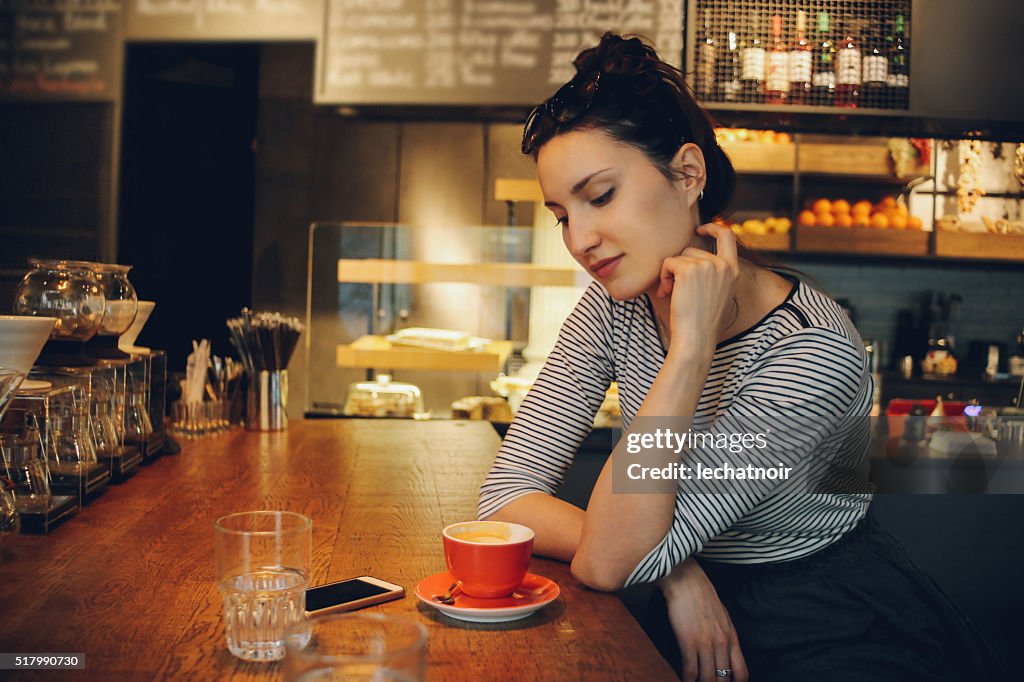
{"x":858,"y":610}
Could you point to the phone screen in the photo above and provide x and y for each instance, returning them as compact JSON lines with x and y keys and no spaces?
{"x":346,"y":591}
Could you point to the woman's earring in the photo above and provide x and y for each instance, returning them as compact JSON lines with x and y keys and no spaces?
{"x":700,"y":197}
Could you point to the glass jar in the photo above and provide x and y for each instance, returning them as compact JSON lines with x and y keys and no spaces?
{"x":66,"y":290}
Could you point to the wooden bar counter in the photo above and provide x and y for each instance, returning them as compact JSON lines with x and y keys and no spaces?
{"x":129,"y":581}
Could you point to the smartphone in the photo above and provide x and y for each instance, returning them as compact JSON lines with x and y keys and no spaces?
{"x":351,"y":594}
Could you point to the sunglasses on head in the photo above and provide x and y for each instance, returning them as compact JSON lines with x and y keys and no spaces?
{"x":571,"y":101}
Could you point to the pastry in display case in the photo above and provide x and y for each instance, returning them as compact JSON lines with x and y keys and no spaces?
{"x":384,"y":398}
{"x":485,"y":407}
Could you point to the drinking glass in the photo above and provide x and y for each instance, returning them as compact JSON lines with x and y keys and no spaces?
{"x":263,"y":560}
{"x":357,"y":647}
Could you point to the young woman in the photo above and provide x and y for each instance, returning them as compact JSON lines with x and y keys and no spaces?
{"x":690,"y":326}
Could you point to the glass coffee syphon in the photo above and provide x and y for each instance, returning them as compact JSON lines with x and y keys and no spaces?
{"x":122,"y":304}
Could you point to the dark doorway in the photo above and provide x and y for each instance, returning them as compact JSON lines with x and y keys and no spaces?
{"x":187,"y":188}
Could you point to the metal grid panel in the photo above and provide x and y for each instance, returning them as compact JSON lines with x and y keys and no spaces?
{"x":826,"y":53}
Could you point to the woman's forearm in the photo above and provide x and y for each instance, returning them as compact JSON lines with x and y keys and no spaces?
{"x":556,"y":524}
{"x":621,"y":529}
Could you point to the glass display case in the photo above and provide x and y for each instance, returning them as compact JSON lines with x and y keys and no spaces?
{"x":446,"y":309}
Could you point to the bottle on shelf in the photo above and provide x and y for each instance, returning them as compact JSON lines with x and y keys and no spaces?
{"x":848,"y":67}
{"x":706,"y":61}
{"x":752,"y":62}
{"x":823,"y":74}
{"x":800,"y":57}
{"x":776,"y":84}
{"x":898,"y":78}
{"x":875,"y":71}
{"x":731,"y":79}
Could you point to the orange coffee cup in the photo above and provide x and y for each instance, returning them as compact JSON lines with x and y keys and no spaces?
{"x":488,"y":559}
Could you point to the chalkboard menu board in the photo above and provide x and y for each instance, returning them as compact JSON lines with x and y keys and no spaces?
{"x":497,"y":52}
{"x":60,"y":49}
{"x":223,"y":19}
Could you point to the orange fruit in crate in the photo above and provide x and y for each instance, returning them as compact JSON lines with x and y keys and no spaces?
{"x":822,"y":206}
{"x":879,"y":221}
{"x":861,"y":208}
{"x":840,"y":206}
{"x":888,"y":202}
{"x":898,"y":222}
{"x":861,"y":221}
{"x":844,"y":220}
{"x":900,"y":209}
{"x":914,"y":223}
{"x":806,"y":218}
{"x":824,"y":219}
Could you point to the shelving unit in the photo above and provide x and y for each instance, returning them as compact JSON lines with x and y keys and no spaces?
{"x":811,"y":162}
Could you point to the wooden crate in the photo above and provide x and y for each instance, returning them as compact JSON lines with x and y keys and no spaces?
{"x":862,"y":240}
{"x":376,"y":352}
{"x":978,"y":245}
{"x":761,"y":157}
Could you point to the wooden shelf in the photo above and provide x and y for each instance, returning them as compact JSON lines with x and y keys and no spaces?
{"x":374,"y":270}
{"x":976,"y":245}
{"x":376,"y":352}
{"x":851,"y":159}
{"x":860,"y":240}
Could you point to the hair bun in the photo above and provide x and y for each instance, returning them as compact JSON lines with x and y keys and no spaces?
{"x":628,"y":58}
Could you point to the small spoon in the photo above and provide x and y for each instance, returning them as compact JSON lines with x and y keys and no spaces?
{"x":447,"y":597}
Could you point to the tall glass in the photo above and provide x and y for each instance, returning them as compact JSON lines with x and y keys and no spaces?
{"x":356,"y":647}
{"x":263,"y":561}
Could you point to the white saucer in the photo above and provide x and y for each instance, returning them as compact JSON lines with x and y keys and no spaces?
{"x":533,"y":594}
{"x":134,"y":350}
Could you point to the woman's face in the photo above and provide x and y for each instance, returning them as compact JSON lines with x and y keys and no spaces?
{"x":619,"y":216}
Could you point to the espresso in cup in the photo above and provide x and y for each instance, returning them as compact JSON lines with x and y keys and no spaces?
{"x":487,"y":559}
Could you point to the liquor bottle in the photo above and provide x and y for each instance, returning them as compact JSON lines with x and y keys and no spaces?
{"x":898,"y":78}
{"x":848,"y":68}
{"x":800,"y":63}
{"x":731,"y":87}
{"x":823,"y":75}
{"x":875,"y":72}
{"x":752,"y":62}
{"x":706,"y":61}
{"x":776,"y":83}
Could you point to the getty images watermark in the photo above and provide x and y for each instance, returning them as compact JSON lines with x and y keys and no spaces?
{"x":665,"y":440}
{"x":752,"y":455}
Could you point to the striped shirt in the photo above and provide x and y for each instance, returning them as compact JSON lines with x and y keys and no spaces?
{"x":803,"y":364}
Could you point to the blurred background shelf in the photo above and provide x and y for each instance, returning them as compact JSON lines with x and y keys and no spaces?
{"x":385,"y":271}
{"x":979,"y":246}
{"x":371,"y":352}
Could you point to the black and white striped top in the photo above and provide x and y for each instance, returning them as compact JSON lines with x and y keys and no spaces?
{"x":804,"y":364}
